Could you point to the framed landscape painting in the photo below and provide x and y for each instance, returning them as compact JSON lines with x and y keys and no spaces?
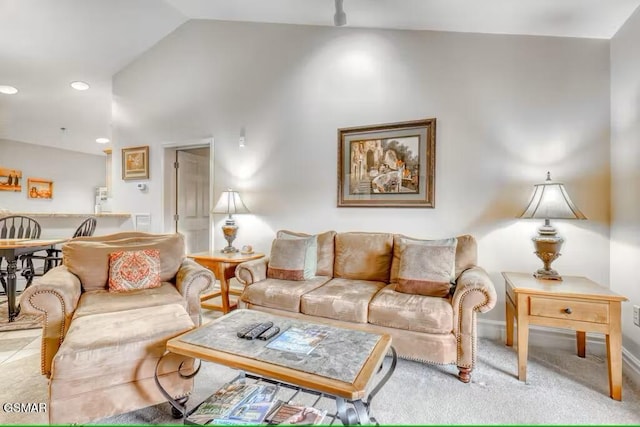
{"x":387,"y":165}
{"x":135,"y":163}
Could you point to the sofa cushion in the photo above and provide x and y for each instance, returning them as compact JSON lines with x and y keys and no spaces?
{"x":341,"y":299}
{"x":293,"y":259}
{"x":325,"y":249}
{"x":89,"y":260}
{"x":411,"y":312}
{"x":134,"y":270}
{"x":281,"y":294}
{"x":103,"y":301}
{"x":466,"y":253}
{"x":125,"y":338}
{"x":363,"y":256}
{"x":427,"y":269}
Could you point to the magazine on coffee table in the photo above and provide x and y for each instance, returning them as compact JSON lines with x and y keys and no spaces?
{"x":297,"y":340}
{"x":291,"y":413}
{"x":222,"y":402}
{"x":252,"y":410}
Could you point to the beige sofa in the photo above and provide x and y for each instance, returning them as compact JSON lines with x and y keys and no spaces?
{"x":357,"y":275}
{"x":100,"y":348}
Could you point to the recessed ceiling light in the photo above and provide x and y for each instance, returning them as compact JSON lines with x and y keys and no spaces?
{"x":79,"y":85}
{"x":8,"y":90}
{"x":102,"y":140}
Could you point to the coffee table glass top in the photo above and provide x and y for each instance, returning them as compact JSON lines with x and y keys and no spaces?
{"x":354,"y":346}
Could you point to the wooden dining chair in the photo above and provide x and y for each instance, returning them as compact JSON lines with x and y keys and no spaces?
{"x":17,"y":227}
{"x":53,"y":257}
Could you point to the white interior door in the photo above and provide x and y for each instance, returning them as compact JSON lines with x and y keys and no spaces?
{"x":192,"y":198}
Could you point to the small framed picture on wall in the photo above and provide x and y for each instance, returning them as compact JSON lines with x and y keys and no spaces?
{"x":135,"y":163}
{"x":10,"y":179}
{"x":38,"y":188}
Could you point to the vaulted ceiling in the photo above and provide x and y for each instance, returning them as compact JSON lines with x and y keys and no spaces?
{"x":47,"y":44}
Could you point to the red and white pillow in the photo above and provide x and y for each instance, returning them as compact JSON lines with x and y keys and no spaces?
{"x":134,"y":270}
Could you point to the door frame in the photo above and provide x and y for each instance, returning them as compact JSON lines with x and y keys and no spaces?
{"x":169,"y":181}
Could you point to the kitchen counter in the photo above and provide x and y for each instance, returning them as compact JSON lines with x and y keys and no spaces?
{"x":67,"y":215}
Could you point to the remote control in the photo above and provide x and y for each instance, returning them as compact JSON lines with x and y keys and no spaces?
{"x":269,"y":333}
{"x":242,"y":332}
{"x":257,"y":331}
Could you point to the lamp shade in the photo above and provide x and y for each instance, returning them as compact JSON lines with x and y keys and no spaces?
{"x":551,"y":201}
{"x":230,"y":203}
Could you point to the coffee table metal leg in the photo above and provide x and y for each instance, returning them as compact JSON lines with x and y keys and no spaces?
{"x":359,"y":414}
{"x":178,"y":405}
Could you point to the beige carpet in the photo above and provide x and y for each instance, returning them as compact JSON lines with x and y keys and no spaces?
{"x":562,"y":389}
{"x":23,"y":321}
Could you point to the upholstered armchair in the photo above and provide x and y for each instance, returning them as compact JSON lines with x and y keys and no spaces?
{"x":99,"y":347}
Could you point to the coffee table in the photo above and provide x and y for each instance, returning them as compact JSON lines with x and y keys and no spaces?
{"x":342,"y":366}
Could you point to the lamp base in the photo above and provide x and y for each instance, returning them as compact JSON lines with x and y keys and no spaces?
{"x":229,"y":230}
{"x":547,"y":249}
{"x":547,"y":274}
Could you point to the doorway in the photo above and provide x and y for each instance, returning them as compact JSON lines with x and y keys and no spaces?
{"x":188,"y":171}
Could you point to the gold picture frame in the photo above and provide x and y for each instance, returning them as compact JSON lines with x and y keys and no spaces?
{"x":387,"y":165}
{"x":39,"y":188}
{"x":135,"y":163}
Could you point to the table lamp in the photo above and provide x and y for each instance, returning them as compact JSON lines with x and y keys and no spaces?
{"x":549,"y":201}
{"x":230,"y":203}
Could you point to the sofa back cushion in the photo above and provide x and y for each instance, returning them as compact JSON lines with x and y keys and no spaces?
{"x":363,"y":256}
{"x":89,"y":260}
{"x":466,"y":253}
{"x":325,"y":249}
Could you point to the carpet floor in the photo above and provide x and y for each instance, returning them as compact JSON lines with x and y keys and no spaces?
{"x":561,"y":389}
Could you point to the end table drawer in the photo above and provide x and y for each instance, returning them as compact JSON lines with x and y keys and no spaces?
{"x":595,"y":312}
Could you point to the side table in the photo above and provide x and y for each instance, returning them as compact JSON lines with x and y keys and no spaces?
{"x":223,"y":266}
{"x":574,"y":303}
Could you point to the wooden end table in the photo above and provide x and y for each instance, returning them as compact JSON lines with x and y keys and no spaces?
{"x":223,"y":266}
{"x":574,"y":303}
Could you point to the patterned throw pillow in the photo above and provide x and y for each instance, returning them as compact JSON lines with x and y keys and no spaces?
{"x":293,"y":259}
{"x":427,"y":269}
{"x":133,"y":270}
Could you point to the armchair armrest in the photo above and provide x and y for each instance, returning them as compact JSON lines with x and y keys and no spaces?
{"x":191,"y":280}
{"x":474,"y":293}
{"x":253,"y":271}
{"x":55,"y":296}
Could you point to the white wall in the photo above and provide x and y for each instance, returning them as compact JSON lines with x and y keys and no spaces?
{"x":625,"y":173}
{"x":508,"y":109}
{"x":75,"y":176}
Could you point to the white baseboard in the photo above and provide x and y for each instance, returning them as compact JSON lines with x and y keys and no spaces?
{"x":564,"y":339}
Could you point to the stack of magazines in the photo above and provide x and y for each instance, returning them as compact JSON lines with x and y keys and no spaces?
{"x":235,"y":403}
{"x":238,"y":403}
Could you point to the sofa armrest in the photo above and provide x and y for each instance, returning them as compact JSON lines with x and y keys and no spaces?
{"x":56,"y":297}
{"x":474,"y":293}
{"x":253,"y":271}
{"x":191,"y":280}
